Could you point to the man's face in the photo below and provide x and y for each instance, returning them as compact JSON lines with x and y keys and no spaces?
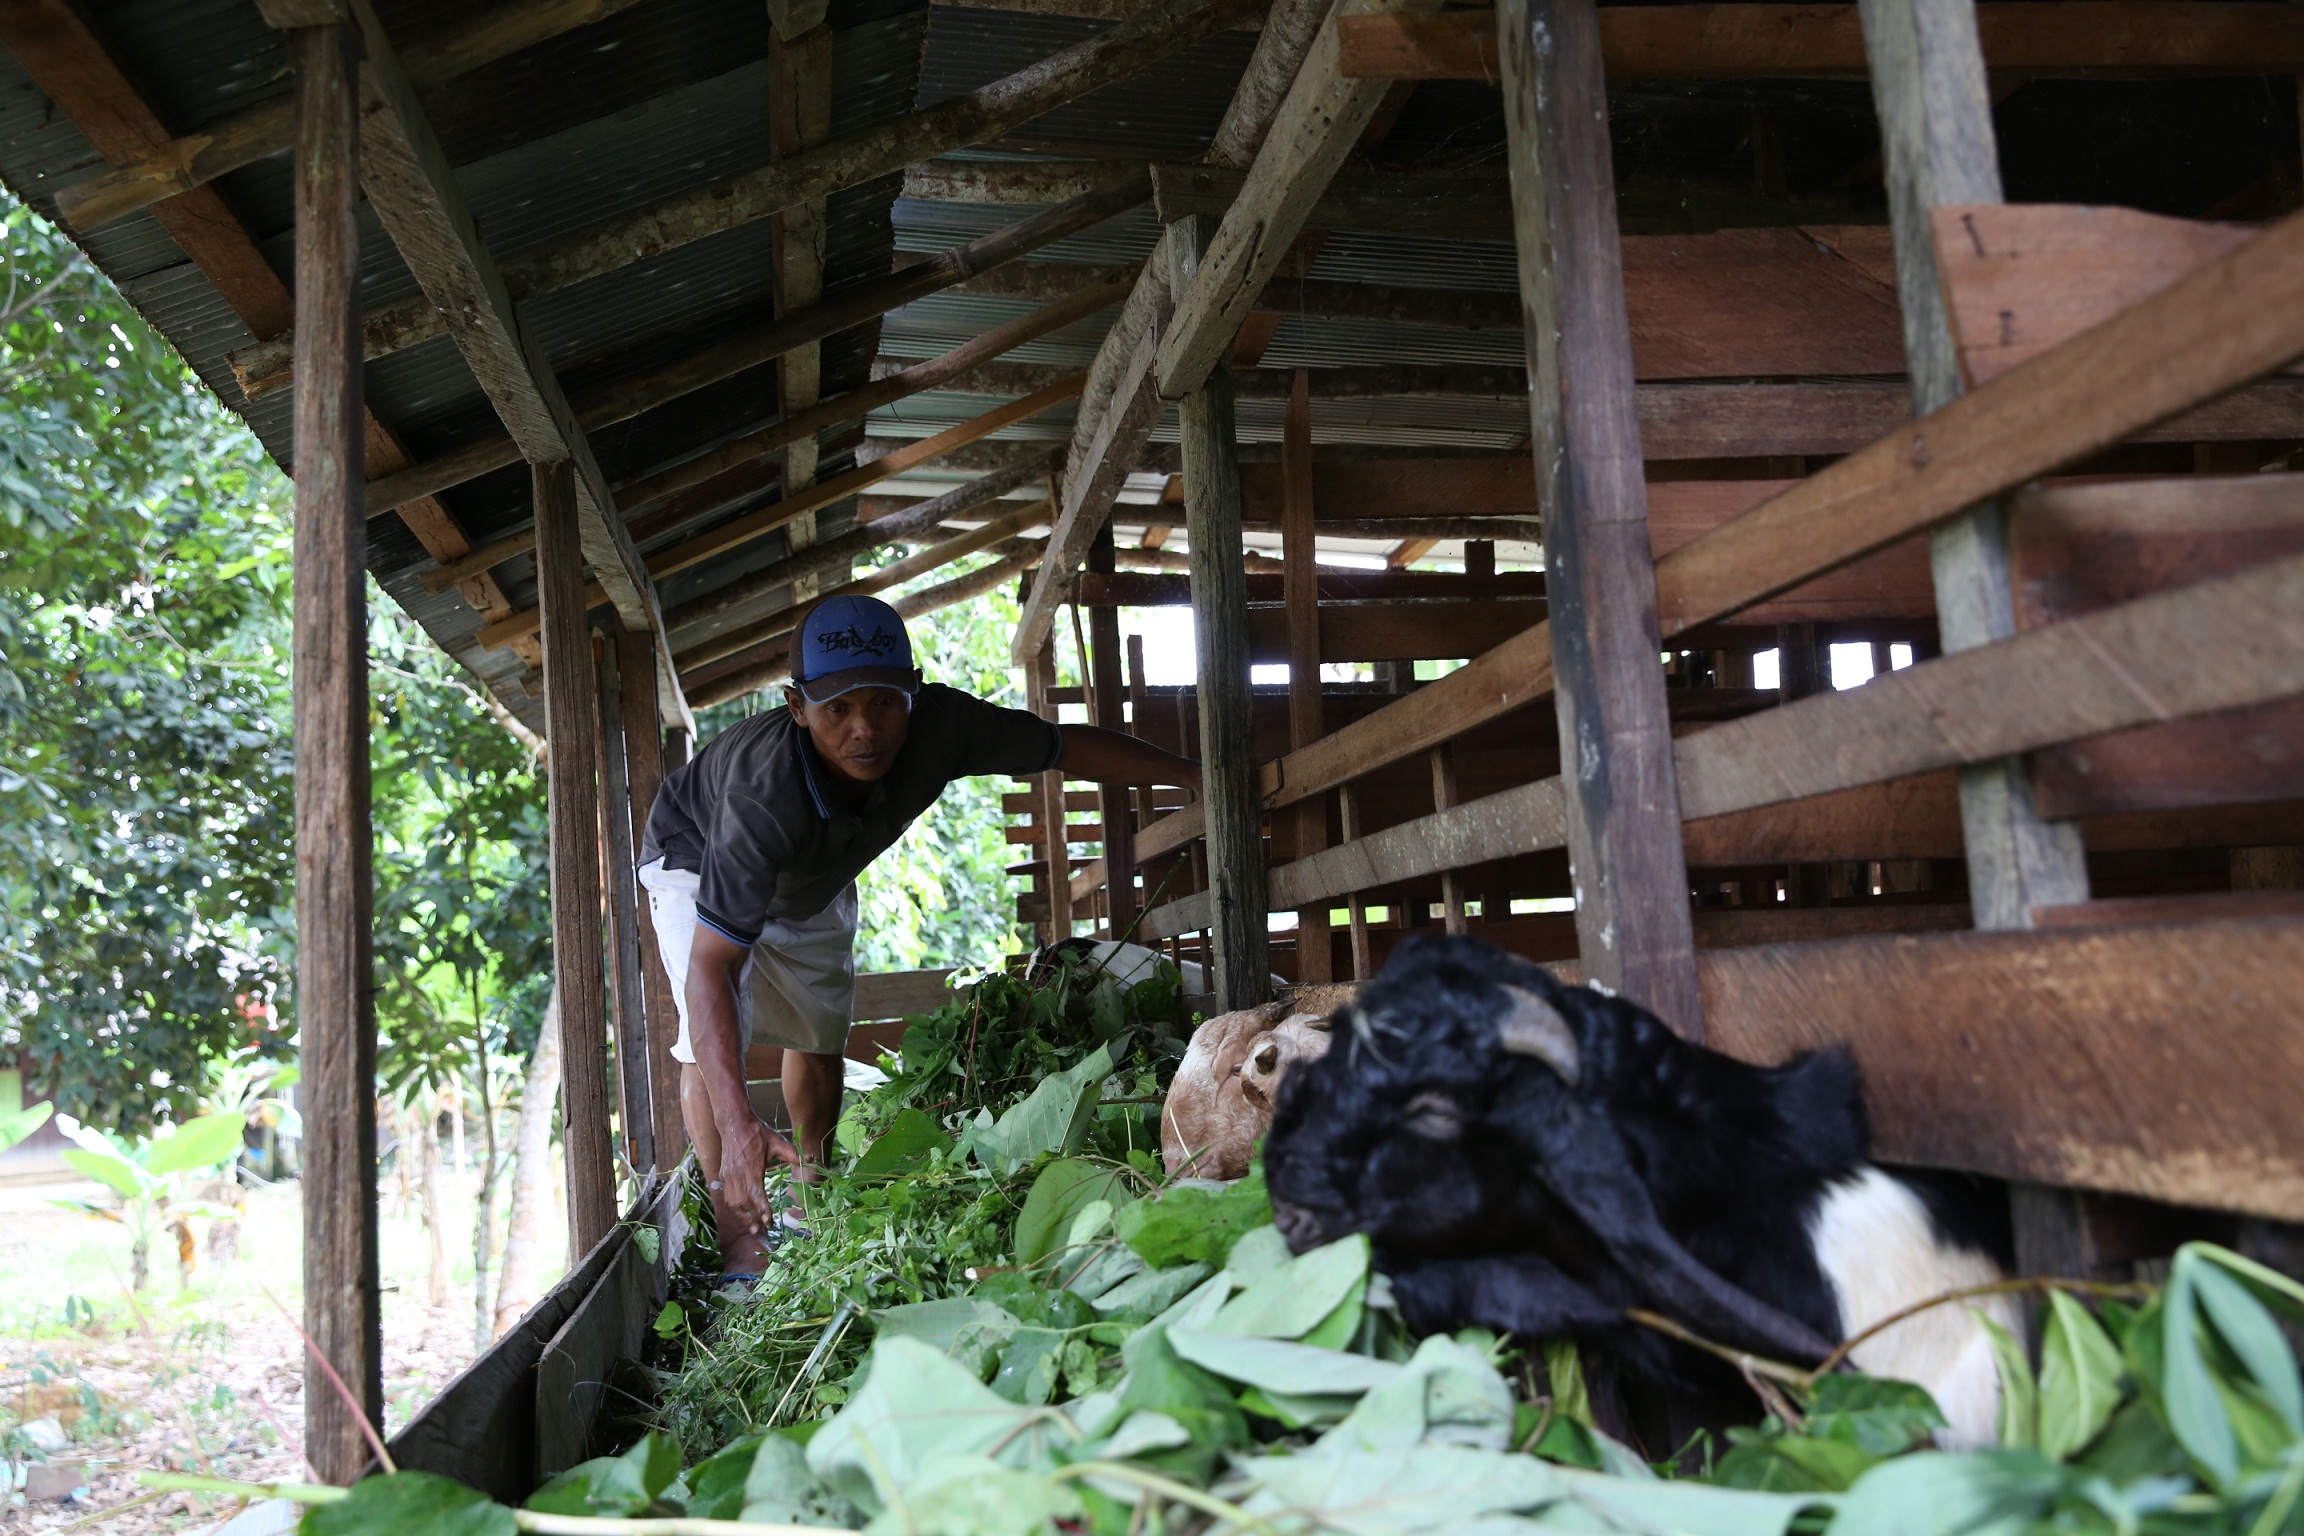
{"x":859,"y":733}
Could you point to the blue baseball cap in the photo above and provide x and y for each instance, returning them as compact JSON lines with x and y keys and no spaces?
{"x":847,"y":643}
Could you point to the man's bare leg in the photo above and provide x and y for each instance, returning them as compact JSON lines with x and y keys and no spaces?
{"x":741,"y":1251}
{"x":812,"y":1094}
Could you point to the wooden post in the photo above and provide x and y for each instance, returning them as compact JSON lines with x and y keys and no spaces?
{"x":1937,"y":143}
{"x":569,"y":694}
{"x":1039,"y":683}
{"x":1211,"y":453}
{"x":644,"y":774}
{"x":1633,"y":927}
{"x":633,"y":1079}
{"x":334,"y":897}
{"x":1108,"y":698}
{"x":1355,"y":904}
{"x":1307,"y":722}
{"x":1443,"y":797}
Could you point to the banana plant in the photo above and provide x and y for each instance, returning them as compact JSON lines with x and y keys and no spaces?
{"x":148,"y":1181}
{"x":17,"y":1125}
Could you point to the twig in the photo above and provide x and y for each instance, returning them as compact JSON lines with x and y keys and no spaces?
{"x":359,"y":1414}
{"x":139,"y":1502}
{"x":1166,"y":1487}
{"x":1968,"y":1292}
{"x":1775,"y":1370}
{"x":1536,"y":1435}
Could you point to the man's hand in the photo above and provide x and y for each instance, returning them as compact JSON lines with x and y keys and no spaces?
{"x":745,"y":1148}
{"x":1113,"y":757}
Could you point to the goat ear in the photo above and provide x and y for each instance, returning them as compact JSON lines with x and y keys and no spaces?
{"x":1535,"y":1028}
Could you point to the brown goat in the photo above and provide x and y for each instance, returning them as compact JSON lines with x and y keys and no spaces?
{"x":1220,"y":1104}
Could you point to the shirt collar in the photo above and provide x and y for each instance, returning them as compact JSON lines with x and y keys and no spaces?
{"x":806,"y":751}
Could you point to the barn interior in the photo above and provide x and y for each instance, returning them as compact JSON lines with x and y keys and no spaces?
{"x":1866,"y":432}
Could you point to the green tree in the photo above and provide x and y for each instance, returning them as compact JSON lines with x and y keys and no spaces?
{"x":144,"y":772}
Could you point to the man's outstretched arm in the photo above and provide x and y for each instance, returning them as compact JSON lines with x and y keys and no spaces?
{"x":746,"y":1142}
{"x":1099,"y":756}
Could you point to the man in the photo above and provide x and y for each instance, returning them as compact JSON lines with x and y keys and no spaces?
{"x":751,"y":859}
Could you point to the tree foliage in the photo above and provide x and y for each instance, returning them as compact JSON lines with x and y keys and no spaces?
{"x":144,"y":771}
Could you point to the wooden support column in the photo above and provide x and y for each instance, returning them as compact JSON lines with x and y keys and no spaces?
{"x":799,"y":118}
{"x":1107,"y":695}
{"x":1443,"y":797}
{"x":635,"y":1084}
{"x":1241,"y":973}
{"x":1938,"y":147}
{"x":1355,"y":904}
{"x":1633,"y":926}
{"x":334,"y":892}
{"x":569,"y":699}
{"x":644,"y":775}
{"x":1307,"y":723}
{"x":1039,"y":684}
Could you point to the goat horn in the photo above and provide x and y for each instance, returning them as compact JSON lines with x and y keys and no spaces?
{"x":1535,"y":1028}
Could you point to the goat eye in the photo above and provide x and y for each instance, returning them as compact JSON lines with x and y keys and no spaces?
{"x":1435,"y":1117}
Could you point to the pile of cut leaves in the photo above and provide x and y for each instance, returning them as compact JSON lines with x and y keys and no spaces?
{"x":1008,"y":1325}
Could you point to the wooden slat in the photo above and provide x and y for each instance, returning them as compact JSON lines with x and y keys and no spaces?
{"x":2078,"y":548}
{"x":894,"y":994}
{"x":2220,"y":644}
{"x":609,"y":1325}
{"x":620,"y":842}
{"x":644,"y":773}
{"x":334,"y":894}
{"x":2149,"y":1060}
{"x":1107,"y":693}
{"x":1679,"y":42}
{"x":577,"y":964}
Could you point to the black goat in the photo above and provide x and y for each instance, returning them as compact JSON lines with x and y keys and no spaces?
{"x":1540,"y":1158}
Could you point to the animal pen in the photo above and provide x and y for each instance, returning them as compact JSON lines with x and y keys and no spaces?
{"x":1592,"y":353}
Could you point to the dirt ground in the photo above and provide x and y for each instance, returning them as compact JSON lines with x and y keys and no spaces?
{"x":200,"y":1377}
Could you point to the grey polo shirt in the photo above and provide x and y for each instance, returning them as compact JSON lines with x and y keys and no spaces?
{"x":751,"y":816}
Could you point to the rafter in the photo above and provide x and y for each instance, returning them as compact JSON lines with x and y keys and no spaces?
{"x":417,"y":199}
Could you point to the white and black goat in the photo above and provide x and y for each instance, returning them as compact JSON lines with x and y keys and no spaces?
{"x":1540,"y":1158}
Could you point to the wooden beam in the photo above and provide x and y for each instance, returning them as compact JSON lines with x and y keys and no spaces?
{"x":742,"y":530}
{"x":334,"y":888}
{"x":1632,"y":914}
{"x":1312,"y":131}
{"x":418,"y":200}
{"x":2131,"y":1059}
{"x":1683,"y":42}
{"x":168,"y":169}
{"x":643,"y":730}
{"x":577,"y":964}
{"x":1210,"y":447}
{"x":1122,"y":401}
{"x":975,"y":117}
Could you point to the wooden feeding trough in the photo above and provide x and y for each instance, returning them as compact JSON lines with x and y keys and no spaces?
{"x":1600,"y":355}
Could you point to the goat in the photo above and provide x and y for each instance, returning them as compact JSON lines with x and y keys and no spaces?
{"x":1220,"y":1103}
{"x":1540,"y":1158}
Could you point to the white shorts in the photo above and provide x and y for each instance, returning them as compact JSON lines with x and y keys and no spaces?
{"x":798,"y":988}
